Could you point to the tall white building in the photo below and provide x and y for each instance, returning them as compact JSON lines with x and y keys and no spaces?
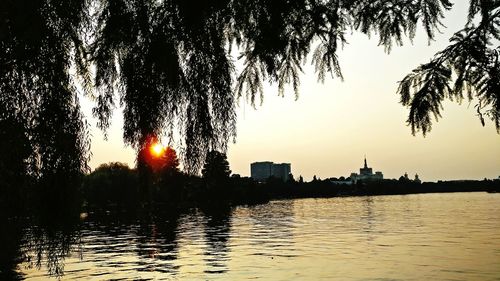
{"x":261,"y":171}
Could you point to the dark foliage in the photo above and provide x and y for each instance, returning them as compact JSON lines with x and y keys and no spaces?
{"x":43,"y":136}
{"x":276,"y":189}
{"x":468,"y":69}
{"x":171,"y":166}
{"x":114,"y":187}
{"x":11,"y":236}
{"x":171,"y":183}
{"x":113,"y":184}
{"x":170,"y":64}
{"x":216,"y":167}
{"x":215,"y":174}
{"x":172,"y":69}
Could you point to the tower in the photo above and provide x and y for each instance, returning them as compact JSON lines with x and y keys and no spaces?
{"x":366,"y":171}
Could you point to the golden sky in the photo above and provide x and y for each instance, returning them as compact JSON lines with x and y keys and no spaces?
{"x":329,"y":129}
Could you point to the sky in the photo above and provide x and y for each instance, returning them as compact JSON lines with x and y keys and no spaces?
{"x":331,"y":126}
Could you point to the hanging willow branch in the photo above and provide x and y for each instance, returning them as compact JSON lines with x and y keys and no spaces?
{"x":169,"y":64}
{"x":469,"y":66}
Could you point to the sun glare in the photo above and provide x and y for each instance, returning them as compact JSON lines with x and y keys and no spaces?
{"x":157,"y":149}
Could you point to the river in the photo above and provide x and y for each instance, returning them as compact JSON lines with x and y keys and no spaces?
{"x":453,"y":236}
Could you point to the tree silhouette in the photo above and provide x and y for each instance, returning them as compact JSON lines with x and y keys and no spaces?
{"x":171,"y":166}
{"x":171,"y":180}
{"x":216,"y":167}
{"x":170,"y":63}
{"x":39,"y":109}
{"x":469,"y":67}
{"x":111,"y":183}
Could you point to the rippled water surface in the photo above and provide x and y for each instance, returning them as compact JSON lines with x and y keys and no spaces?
{"x":413,"y":237}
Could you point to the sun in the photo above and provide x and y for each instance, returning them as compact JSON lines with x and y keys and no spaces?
{"x":157,"y":149}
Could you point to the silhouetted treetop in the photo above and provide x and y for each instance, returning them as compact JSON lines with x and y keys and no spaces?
{"x":169,"y":63}
{"x":216,"y":167}
{"x":172,"y":60}
{"x":39,"y":41}
{"x":468,"y":68}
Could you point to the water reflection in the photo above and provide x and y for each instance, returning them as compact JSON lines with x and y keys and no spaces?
{"x":10,"y":254}
{"x":50,"y":244}
{"x":368,"y":217}
{"x":157,"y":244}
{"x":453,"y":236}
{"x":217,"y":230}
{"x":29,"y":244}
{"x":272,"y":228}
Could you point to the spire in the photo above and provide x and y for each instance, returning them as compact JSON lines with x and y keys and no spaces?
{"x":366,"y":166}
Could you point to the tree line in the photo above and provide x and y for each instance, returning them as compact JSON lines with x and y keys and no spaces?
{"x":169,"y":63}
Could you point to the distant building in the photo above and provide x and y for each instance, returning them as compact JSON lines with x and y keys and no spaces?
{"x":365,"y":171}
{"x":282,"y":171}
{"x":417,"y":179}
{"x":406,"y":178}
{"x":261,"y":171}
{"x":366,"y":174}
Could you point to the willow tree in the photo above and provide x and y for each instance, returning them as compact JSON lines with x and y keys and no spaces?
{"x":43,"y":135}
{"x":469,"y":68}
{"x":169,"y":64}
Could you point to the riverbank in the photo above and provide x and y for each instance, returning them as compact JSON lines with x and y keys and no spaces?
{"x":123,"y":191}
{"x":383,"y":187}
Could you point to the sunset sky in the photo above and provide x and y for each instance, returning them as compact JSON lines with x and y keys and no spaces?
{"x":329,"y":129}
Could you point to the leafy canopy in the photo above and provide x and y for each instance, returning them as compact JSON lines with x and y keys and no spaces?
{"x":468,"y":68}
{"x":216,"y":167}
{"x":169,"y":64}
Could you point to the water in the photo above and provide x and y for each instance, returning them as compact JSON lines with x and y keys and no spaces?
{"x":413,"y":237}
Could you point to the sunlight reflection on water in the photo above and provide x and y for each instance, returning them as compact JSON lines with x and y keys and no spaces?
{"x":412,"y":237}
